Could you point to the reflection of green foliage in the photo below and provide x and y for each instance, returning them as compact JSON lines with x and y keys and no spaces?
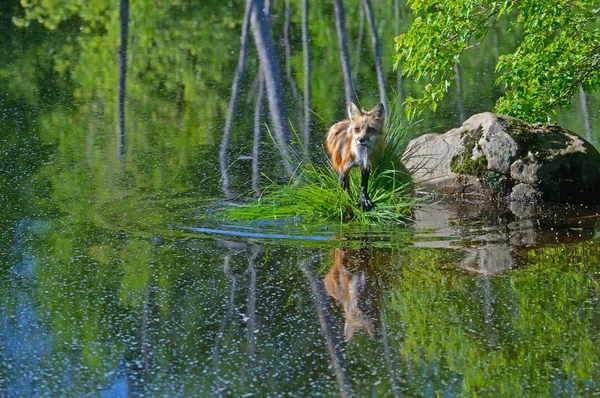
{"x":169,"y":110}
{"x":52,"y":13}
{"x":558,"y":53}
{"x":510,"y":335}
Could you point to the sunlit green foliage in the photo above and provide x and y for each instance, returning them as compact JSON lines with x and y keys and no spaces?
{"x":559,"y":51}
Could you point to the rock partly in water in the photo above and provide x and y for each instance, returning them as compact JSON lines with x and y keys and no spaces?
{"x":493,"y":155}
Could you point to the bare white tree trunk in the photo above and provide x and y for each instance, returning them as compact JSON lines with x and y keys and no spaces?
{"x":361,"y":30}
{"x":377,"y":52}
{"x":586,"y":114}
{"x":307,"y":73}
{"x":340,"y":24}
{"x":288,"y":51}
{"x":260,"y":98}
{"x":398,"y":17}
{"x":272,"y":76}
{"x":233,"y":100}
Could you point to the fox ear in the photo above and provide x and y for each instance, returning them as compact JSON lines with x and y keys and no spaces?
{"x":379,"y":111}
{"x":353,"y":110}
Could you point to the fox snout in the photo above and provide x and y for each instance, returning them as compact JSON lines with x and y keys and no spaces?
{"x":364,"y":141}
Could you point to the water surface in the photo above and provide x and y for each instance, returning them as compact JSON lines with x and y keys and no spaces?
{"x":117,"y":278}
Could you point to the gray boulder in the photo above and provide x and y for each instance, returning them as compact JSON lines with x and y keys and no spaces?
{"x":493,"y":155}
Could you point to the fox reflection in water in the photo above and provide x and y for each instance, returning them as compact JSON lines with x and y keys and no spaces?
{"x":352,"y":282}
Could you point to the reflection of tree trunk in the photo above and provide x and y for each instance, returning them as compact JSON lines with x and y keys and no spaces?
{"x":144,"y":344}
{"x":361,"y":29}
{"x":228,"y":314}
{"x":586,"y":114}
{"x":251,"y":324}
{"x":389,"y":361}
{"x":459,"y":104}
{"x":306,"y":58}
{"x":328,"y":327}
{"x":257,"y":132}
{"x":124,"y":16}
{"x":487,"y":306}
{"x":377,"y":52}
{"x":340,"y":25}
{"x":270,"y":69}
{"x":233,"y":100}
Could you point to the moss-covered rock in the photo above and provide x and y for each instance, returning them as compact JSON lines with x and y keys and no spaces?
{"x":490,"y":154}
{"x":463,"y":163}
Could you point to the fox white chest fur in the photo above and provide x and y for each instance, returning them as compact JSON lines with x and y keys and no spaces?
{"x":363,"y":153}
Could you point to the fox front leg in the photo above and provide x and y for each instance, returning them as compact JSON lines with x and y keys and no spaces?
{"x":365,"y":201}
{"x":344,"y":181}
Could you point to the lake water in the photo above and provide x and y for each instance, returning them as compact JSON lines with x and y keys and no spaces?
{"x":119,"y":279}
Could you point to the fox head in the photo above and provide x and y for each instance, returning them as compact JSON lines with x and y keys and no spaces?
{"x":366,"y":128}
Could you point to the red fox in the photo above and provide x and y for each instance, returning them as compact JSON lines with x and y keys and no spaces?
{"x":356,"y":142}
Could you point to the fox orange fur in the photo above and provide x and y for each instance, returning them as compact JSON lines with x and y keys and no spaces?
{"x":356,"y":141}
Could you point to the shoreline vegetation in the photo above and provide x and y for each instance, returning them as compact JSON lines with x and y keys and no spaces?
{"x":313,"y":194}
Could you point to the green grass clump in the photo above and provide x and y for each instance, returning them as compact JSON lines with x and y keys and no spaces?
{"x":314,"y":194}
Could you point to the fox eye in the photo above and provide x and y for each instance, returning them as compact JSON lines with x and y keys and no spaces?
{"x":356,"y":129}
{"x":371,"y":130}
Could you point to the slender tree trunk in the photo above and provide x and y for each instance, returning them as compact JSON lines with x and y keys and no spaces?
{"x":459,"y":103}
{"x":260,"y":98}
{"x":124,"y":16}
{"x":586,"y":114}
{"x":361,"y":30}
{"x":398,"y":17}
{"x":233,"y":100}
{"x":270,"y":69}
{"x":340,"y":24}
{"x":328,"y":328}
{"x":307,"y":73}
{"x":288,"y":51}
{"x":377,"y":52}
